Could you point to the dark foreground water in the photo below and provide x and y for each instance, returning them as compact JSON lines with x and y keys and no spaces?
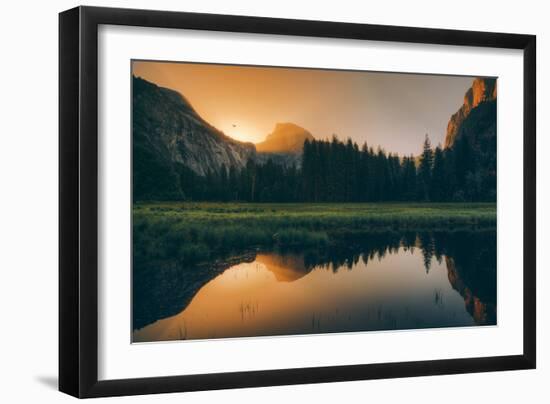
{"x":382,"y":282}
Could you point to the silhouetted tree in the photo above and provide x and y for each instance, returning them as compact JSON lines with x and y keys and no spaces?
{"x":336,"y":171}
{"x":425,"y":169}
{"x":437,"y":185}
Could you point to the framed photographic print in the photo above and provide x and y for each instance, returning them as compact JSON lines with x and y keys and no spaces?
{"x":251,"y":201}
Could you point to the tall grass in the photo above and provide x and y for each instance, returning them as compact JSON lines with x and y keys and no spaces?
{"x":197,"y":232}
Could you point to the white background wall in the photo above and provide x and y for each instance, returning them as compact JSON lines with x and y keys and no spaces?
{"x":28,"y":199}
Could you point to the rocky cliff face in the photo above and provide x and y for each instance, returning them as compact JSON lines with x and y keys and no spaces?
{"x":483,"y":91}
{"x":284,"y":145}
{"x":285,"y":138}
{"x":170,"y":137}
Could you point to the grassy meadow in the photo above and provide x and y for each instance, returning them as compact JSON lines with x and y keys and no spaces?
{"x":195,"y":232}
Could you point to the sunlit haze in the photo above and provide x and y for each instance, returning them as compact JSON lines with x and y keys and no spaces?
{"x":392,"y":110}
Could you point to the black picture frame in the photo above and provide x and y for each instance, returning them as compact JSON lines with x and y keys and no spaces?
{"x":78,"y":200}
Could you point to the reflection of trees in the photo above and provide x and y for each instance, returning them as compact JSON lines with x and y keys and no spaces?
{"x":483,"y":312}
{"x":471,"y":264}
{"x":426,"y":243}
{"x":164,"y":289}
{"x":470,"y":257}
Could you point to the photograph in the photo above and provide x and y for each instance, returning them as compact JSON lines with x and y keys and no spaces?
{"x":272,"y":201}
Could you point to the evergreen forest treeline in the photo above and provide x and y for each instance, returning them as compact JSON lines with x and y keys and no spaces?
{"x":341,"y":171}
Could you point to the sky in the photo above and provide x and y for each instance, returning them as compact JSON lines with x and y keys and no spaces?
{"x":391,"y":110}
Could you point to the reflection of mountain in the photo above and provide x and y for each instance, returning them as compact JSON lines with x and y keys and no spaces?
{"x":471,"y":263}
{"x":286,"y":268}
{"x":163,"y":290}
{"x":482,"y":312}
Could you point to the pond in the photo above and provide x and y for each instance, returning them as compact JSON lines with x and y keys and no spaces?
{"x":385,"y":282}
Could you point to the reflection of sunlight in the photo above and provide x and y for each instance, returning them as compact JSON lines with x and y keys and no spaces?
{"x":244,"y":276}
{"x":278,"y":294}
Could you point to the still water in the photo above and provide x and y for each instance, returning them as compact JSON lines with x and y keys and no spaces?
{"x":388,"y":288}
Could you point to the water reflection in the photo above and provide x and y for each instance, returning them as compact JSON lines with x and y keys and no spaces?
{"x":381,"y":282}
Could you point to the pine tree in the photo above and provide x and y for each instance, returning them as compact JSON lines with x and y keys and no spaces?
{"x":409,"y":190}
{"x":363,"y":174}
{"x":337,"y":171}
{"x":425,"y":169}
{"x":438,"y":176}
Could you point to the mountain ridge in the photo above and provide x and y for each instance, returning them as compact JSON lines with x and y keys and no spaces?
{"x":286,"y":137}
{"x":170,"y":137}
{"x":483,"y":90}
